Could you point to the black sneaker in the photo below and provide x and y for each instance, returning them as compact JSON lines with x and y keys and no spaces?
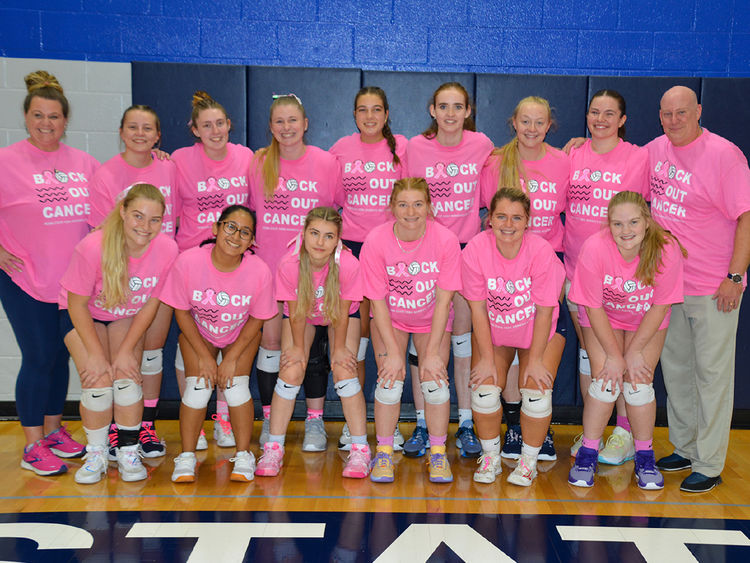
{"x":548,"y":453}
{"x":673,"y":462}
{"x":149,"y":442}
{"x":699,"y":483}
{"x":113,"y":441}
{"x":513,"y":442}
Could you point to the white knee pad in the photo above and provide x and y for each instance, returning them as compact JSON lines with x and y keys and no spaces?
{"x":197,"y":393}
{"x":515,"y":361}
{"x":461,"y":345}
{"x":362,"y":352}
{"x":639,"y":395}
{"x":179,"y":363}
{"x":238,"y":392}
{"x":535,"y":403}
{"x":391,"y":395}
{"x":435,"y":393}
{"x":606,"y":396}
{"x":285,"y":390}
{"x":485,"y":399}
{"x":347,"y":387}
{"x":126,"y":392}
{"x":584,"y":366}
{"x":268,"y":360}
{"x":97,"y":400}
{"x":152,"y":361}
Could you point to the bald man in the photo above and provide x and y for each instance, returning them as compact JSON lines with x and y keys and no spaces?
{"x":700,"y":191}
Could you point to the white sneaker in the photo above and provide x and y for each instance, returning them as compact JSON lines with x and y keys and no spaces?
{"x":129,"y":463}
{"x":345,"y":440}
{"x":398,"y":440}
{"x":490,"y":467}
{"x":524,"y":472}
{"x":619,"y":448}
{"x":223,"y":432}
{"x":184,"y":468}
{"x":94,"y":466}
{"x":244,"y":466}
{"x":202,"y":443}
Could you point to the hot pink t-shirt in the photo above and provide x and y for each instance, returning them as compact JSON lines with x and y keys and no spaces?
{"x":305,"y":183}
{"x":219,"y":302}
{"x":594,"y":180}
{"x":350,"y":284}
{"x":512,"y":289}
{"x":44,"y":205}
{"x":146,"y":276}
{"x":367,"y":178}
{"x":406,"y":274}
{"x":547,"y":187}
{"x":115,"y":177}
{"x":604,"y":279}
{"x":453,"y":175}
{"x":698,"y":192}
{"x":205,"y":187}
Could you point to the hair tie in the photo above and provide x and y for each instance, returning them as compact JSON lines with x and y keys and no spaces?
{"x":289,"y":95}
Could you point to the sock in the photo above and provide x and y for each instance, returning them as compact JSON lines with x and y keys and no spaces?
{"x":622,"y":422}
{"x":592,"y":444}
{"x":464,"y":416}
{"x":491,"y":446}
{"x":97,"y":437}
{"x":421,"y":420}
{"x":267,"y":412}
{"x":280,"y":438}
{"x":222,"y":409}
{"x":643,"y":445}
{"x":437,"y":440}
{"x":359,"y":439}
{"x":149,"y":411}
{"x":314,"y":413}
{"x":386,"y":441}
{"x":512,"y":413}
{"x":530,"y":451}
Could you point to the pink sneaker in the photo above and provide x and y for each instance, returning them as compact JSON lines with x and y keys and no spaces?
{"x":62,"y":445}
{"x":39,"y":459}
{"x":271,"y":461}
{"x":358,"y":463}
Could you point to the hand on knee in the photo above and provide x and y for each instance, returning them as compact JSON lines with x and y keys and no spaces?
{"x":389,"y":395}
{"x":604,"y":395}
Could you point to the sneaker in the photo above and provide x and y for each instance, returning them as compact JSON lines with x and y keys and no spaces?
{"x":582,"y":472}
{"x":467,"y":441}
{"x":619,"y":448}
{"x":525,"y":471}
{"x":345,"y":440}
{"x":129,"y":463}
{"x":578,"y":442}
{"x":149,"y":442}
{"x":184,"y":468}
{"x":513,"y":442}
{"x":223,"y":432}
{"x":358,"y":462}
{"x":490,"y":467}
{"x":381,"y":468}
{"x":244,"y":466}
{"x":418,"y":443}
{"x":113,"y":440}
{"x":699,"y":483}
{"x":40,"y":459}
{"x":646,"y":474}
{"x":271,"y":461}
{"x":437,"y":463}
{"x":674,"y":462}
{"x":398,"y":440}
{"x":62,"y":445}
{"x":548,"y":453}
{"x":316,"y":439}
{"x":94,"y":466}
{"x":265,"y":430}
{"x":202,"y":443}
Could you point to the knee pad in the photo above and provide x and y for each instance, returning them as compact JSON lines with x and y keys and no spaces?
{"x":268,"y":360}
{"x":606,"y":396}
{"x":97,"y":400}
{"x":179,"y":363}
{"x":285,"y":390}
{"x":362,"y":352}
{"x":126,"y":392}
{"x":638,"y":396}
{"x":238,"y":392}
{"x":197,"y":393}
{"x":391,"y":395}
{"x":584,"y":366}
{"x":413,"y":358}
{"x":535,"y":403}
{"x":485,"y":399}
{"x":461,"y":345}
{"x":347,"y":387}
{"x":434,"y":393}
{"x":152,"y":361}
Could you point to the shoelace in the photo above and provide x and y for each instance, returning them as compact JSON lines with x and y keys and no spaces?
{"x":438,"y":460}
{"x":382,"y":459}
{"x":615,"y":441}
{"x":226,"y":426}
{"x":148,"y":434}
{"x":43,"y":453}
{"x":485,"y":461}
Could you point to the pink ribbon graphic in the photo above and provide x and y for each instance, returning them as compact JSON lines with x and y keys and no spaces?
{"x":440,"y":170}
{"x":282,"y":183}
{"x":617,"y":283}
{"x":585,"y":174}
{"x":401,"y":270}
{"x":664,"y":170}
{"x":212,"y":185}
{"x":357,"y":167}
{"x":209,"y":299}
{"x":49,"y":177}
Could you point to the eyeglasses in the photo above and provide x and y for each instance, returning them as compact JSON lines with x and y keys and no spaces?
{"x":230,"y":227}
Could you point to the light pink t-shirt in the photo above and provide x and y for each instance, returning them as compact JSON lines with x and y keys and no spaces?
{"x":604,"y":279}
{"x":698,"y":192}
{"x":44,"y":206}
{"x":146,"y":276}
{"x":305,"y":183}
{"x":205,"y":187}
{"x":367,"y":178}
{"x":406,"y":274}
{"x":512,"y":289}
{"x":115,"y":177}
{"x":350,"y":284}
{"x":547,"y":187}
{"x":594,"y":180}
{"x":453,"y":175}
{"x":219,"y":302}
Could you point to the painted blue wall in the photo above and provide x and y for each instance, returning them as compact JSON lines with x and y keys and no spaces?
{"x":611,"y":37}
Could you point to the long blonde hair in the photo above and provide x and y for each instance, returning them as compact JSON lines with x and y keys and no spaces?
{"x":115,"y":276}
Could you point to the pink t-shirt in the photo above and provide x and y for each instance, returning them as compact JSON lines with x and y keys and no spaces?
{"x":115,"y":177}
{"x":453,"y":175}
{"x":350,"y":284}
{"x":512,"y":289}
{"x":594,"y":180}
{"x":205,"y":187}
{"x":305,"y":183}
{"x":146,"y":276}
{"x":219,"y":302}
{"x":547,"y":187}
{"x":367,"y":178}
{"x":698,"y":192}
{"x":405,"y":274}
{"x":44,"y":205}
{"x":604,"y":279}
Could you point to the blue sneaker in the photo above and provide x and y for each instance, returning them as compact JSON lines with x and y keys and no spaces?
{"x":467,"y":441}
{"x":646,"y":474}
{"x":513,"y":442}
{"x":548,"y":453}
{"x":582,"y":472}
{"x":699,"y":483}
{"x":418,"y":443}
{"x":674,"y":462}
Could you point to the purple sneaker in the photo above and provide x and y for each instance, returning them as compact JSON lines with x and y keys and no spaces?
{"x":582,"y":472}
{"x":646,"y":474}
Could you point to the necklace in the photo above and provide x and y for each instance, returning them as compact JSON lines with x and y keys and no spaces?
{"x":398,"y":241}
